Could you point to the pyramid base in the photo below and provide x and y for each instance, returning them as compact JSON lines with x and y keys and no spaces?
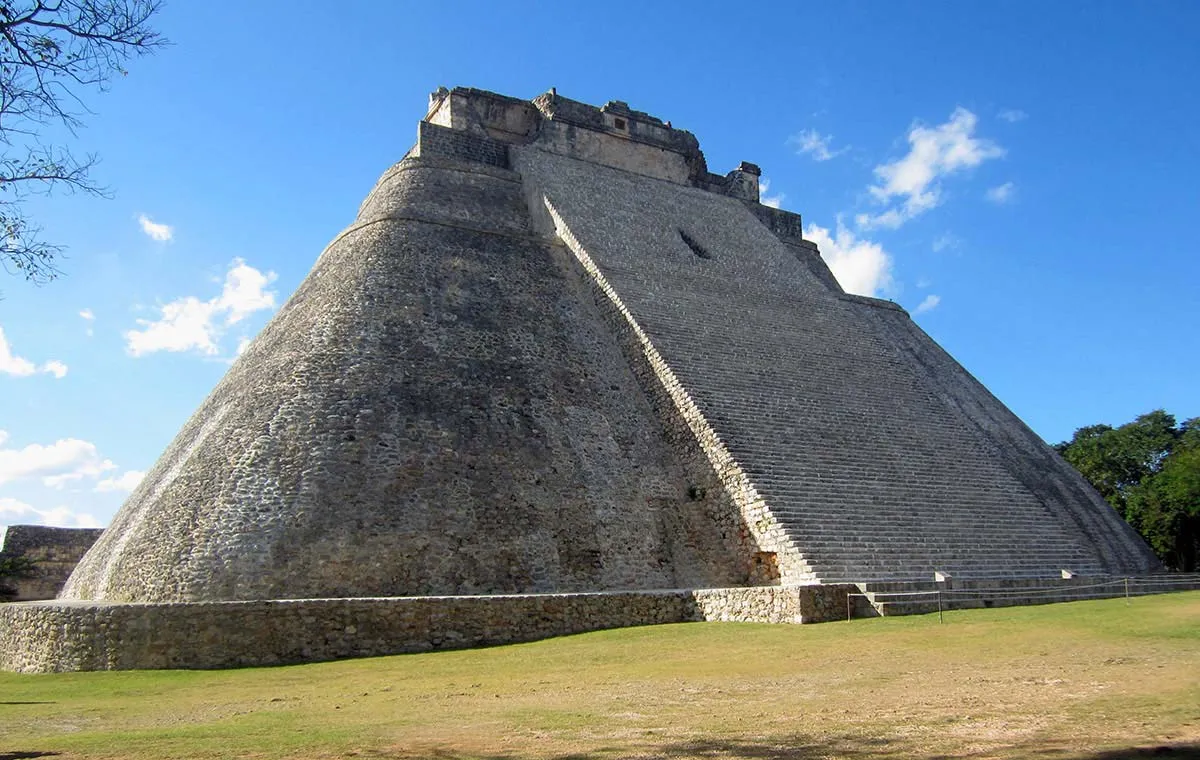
{"x":63,"y":635}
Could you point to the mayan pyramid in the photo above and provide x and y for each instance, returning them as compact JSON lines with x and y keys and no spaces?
{"x":554,"y":353}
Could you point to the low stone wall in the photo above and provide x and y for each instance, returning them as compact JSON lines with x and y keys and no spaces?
{"x":73,"y":635}
{"x":773,"y":604}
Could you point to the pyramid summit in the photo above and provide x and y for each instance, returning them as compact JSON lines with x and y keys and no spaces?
{"x":555,"y":366}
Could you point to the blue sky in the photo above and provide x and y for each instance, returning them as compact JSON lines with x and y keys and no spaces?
{"x":1021,"y":176}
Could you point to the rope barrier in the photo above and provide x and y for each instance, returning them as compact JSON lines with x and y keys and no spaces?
{"x":1133,"y":586}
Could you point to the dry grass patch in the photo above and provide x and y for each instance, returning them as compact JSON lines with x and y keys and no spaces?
{"x":1082,"y":680}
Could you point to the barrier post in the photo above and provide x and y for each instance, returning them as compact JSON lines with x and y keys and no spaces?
{"x":939,"y":596}
{"x":847,"y":608}
{"x":1126,"y":592}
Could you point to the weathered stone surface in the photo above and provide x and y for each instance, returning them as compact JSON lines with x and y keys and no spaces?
{"x":54,"y":553}
{"x":438,"y":409}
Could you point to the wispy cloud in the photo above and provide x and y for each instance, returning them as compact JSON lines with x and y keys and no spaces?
{"x":56,"y":368}
{"x":160,"y":232}
{"x":1013,"y":115}
{"x":913,"y":182}
{"x":944,"y":241}
{"x":56,"y":464}
{"x":19,"y":366}
{"x":1001,"y":194}
{"x":816,"y":145}
{"x":89,"y":318}
{"x":189,"y":324}
{"x":860,"y":266}
{"x":930,"y":303}
{"x":12,"y":511}
{"x":774,"y":201}
{"x":125,"y":482}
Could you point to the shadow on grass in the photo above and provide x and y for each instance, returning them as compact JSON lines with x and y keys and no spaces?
{"x":25,"y":755}
{"x":851,"y":748}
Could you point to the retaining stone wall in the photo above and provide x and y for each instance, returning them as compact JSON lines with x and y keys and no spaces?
{"x":60,"y":636}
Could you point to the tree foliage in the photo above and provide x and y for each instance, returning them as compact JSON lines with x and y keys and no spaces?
{"x":51,"y":51}
{"x":1149,"y":471}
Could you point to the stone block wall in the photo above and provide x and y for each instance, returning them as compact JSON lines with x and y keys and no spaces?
{"x":434,"y":140}
{"x":54,"y":552}
{"x":64,"y":635}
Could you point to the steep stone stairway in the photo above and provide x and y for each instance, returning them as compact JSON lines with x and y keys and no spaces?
{"x":869,"y":465}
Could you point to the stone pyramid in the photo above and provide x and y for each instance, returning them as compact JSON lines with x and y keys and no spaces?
{"x":554,"y":353}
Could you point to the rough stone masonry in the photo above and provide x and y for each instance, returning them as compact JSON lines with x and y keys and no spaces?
{"x":555,"y":355}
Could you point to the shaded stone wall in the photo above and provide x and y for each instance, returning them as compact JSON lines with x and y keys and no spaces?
{"x":54,"y":552}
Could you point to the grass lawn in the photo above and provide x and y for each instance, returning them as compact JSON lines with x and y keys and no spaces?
{"x":1098,"y":679}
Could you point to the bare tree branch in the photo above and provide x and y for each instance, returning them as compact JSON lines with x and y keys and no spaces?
{"x":49,"y":53}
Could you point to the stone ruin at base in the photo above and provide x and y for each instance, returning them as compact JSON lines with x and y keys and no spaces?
{"x":555,"y":366}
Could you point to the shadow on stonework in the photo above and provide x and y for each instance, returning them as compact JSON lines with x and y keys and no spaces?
{"x":850,"y":748}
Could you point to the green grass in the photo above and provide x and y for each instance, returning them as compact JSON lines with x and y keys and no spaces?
{"x":1069,"y":680}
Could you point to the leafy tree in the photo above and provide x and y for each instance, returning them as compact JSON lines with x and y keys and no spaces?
{"x":13,"y":568}
{"x":1167,"y":505}
{"x":51,"y":51}
{"x":1149,"y":470}
{"x":1116,"y":459}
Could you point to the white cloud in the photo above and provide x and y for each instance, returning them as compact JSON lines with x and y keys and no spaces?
{"x":242,"y":345}
{"x":244,"y":292}
{"x":126,"y":482}
{"x":860,"y":266}
{"x":56,"y":464}
{"x":1001,"y":194}
{"x":934,"y":153}
{"x":815,"y":144}
{"x":774,"y":201}
{"x":13,"y":511}
{"x":56,"y":368}
{"x":929,"y":304}
{"x":923,"y":282}
{"x":890,"y":219}
{"x":89,"y":318}
{"x":160,"y":232}
{"x":17,"y":366}
{"x":190,"y":324}
{"x":10,"y":363}
{"x":1013,"y":115}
